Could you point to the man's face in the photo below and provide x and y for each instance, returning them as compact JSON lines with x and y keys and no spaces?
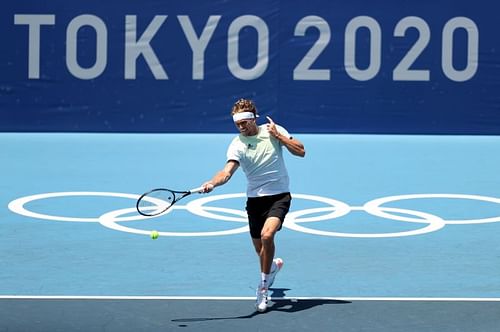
{"x":247,"y":127}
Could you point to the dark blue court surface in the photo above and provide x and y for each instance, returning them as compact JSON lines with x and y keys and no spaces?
{"x":236,"y":315}
{"x":386,"y":233}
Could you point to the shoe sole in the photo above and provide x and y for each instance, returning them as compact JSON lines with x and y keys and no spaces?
{"x":261,"y":310}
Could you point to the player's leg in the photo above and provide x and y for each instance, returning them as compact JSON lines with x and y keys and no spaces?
{"x":266,"y":216}
{"x":267,"y":247}
{"x":264,"y":246}
{"x":274,"y":222}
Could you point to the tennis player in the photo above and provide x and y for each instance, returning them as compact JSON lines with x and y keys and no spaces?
{"x":258,"y":150}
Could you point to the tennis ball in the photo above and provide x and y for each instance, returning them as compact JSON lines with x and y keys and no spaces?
{"x":154,"y":235}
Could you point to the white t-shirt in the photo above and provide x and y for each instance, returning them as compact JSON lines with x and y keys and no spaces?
{"x":261,"y":158}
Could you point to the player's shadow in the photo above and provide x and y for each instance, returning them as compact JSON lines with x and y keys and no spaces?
{"x":279,"y":304}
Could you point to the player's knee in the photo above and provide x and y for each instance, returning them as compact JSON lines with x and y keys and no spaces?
{"x":267,"y":238}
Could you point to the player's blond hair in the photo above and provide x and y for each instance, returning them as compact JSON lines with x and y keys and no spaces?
{"x":244,"y":105}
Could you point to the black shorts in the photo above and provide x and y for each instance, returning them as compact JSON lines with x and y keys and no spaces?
{"x":261,"y":208}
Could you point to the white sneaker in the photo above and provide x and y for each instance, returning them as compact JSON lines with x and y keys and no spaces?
{"x":261,"y":304}
{"x":275,"y":268}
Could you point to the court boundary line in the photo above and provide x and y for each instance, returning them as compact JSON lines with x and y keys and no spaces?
{"x":245,"y":298}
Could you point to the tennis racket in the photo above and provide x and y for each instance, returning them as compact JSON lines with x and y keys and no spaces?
{"x":158,"y":201}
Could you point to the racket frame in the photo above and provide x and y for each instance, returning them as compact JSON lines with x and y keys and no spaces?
{"x":177,"y":196}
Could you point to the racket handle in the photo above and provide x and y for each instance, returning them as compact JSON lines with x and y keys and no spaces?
{"x":196,"y":190}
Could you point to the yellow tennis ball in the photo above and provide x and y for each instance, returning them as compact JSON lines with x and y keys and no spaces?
{"x":154,"y":235}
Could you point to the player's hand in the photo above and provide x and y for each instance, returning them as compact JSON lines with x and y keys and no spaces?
{"x":207,"y":187}
{"x":271,"y":128}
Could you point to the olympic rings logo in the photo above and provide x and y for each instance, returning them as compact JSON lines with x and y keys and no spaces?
{"x":295,"y":220}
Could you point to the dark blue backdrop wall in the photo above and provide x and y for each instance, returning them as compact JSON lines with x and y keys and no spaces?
{"x":358,"y":66}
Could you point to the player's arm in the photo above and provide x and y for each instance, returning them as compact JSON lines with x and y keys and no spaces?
{"x":292,"y":144}
{"x":222,"y":176}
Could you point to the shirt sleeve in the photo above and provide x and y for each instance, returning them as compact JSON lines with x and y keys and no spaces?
{"x":233,"y":152}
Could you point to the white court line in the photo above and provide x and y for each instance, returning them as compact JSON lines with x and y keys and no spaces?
{"x":244,"y":298}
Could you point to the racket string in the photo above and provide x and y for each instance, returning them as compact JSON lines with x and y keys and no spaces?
{"x":155,"y":202}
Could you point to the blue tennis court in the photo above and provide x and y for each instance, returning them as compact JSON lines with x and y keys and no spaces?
{"x":395,"y":209}
{"x":374,"y":218}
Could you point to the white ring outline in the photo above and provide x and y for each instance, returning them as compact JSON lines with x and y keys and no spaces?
{"x":338,"y":209}
{"x":109,"y":220}
{"x":374,"y":207}
{"x":435,"y":223}
{"x":17,"y":205}
{"x":197,"y":207}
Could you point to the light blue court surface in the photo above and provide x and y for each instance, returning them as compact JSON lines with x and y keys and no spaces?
{"x":372,"y":216}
